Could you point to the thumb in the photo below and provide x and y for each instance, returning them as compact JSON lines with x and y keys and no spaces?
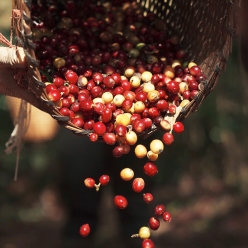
{"x":12,"y":57}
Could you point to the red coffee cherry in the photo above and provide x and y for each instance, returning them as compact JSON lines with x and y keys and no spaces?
{"x":159,"y":209}
{"x":104,"y":180}
{"x":166,"y":217}
{"x":178,"y":127}
{"x":148,"y":197}
{"x":120,"y":201}
{"x":154,"y":223}
{"x":84,"y":230}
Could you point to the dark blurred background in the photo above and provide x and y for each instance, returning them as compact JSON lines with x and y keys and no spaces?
{"x":203,"y":180}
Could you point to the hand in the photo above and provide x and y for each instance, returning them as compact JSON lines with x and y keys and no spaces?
{"x":13,"y":60}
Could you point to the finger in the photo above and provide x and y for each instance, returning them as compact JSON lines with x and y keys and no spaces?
{"x":12,"y":57}
{"x":8,"y":86}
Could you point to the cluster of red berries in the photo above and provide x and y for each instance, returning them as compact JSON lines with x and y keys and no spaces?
{"x":113,"y":71}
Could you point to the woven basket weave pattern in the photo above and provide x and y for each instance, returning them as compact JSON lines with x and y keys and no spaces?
{"x":205,"y":29}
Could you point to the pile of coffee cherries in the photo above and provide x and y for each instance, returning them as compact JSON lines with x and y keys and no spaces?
{"x":114,"y":72}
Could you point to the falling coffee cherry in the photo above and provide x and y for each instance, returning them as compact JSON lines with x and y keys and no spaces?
{"x":168,"y":138}
{"x":178,"y":127}
{"x":150,"y":169}
{"x":148,"y":197}
{"x":120,"y":201}
{"x":159,"y":209}
{"x":140,"y":151}
{"x":89,"y":182}
{"x":166,"y":217}
{"x":84,"y":230}
{"x":144,"y":233}
{"x":104,"y":180}
{"x":154,"y":223}
{"x":156,"y":146}
{"x":138,"y":184}
{"x":127,"y":174}
{"x":148,"y":243}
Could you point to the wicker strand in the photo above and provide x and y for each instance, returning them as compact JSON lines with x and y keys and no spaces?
{"x":23,"y":118}
{"x":16,"y":138}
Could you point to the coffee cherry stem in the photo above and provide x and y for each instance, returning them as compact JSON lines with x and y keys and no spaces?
{"x":129,"y":128}
{"x":135,"y":235}
{"x":97,"y":186}
{"x":172,"y":119}
{"x":180,"y":96}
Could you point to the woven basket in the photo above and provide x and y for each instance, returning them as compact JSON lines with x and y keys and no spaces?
{"x":205,"y":29}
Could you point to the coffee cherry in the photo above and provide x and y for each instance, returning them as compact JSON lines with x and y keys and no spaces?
{"x":162,"y":105}
{"x":129,"y":71}
{"x":127,"y":104}
{"x":59,"y":62}
{"x":141,"y":96}
{"x":152,"y":156}
{"x":154,"y":223}
{"x":118,"y":100}
{"x":131,"y":137}
{"x":169,"y":72}
{"x":191,"y":64}
{"x":178,"y":127}
{"x":135,"y":81}
{"x":144,"y":233}
{"x":86,"y":105}
{"x":138,"y":184}
{"x":84,"y":230}
{"x":195,"y":71}
{"x":139,"y":126}
{"x":165,"y":125}
{"x":172,"y":109}
{"x":146,"y":76}
{"x":54,"y":95}
{"x":107,"y":97}
{"x":58,"y":81}
{"x":184,"y":103}
{"x":120,"y":130}
{"x":106,"y":115}
{"x":78,"y":121}
{"x":153,"y":96}
{"x":118,"y":151}
{"x":148,"y":197}
{"x":148,"y":243}
{"x":156,"y":146}
{"x":168,"y":138}
{"x":126,"y":148}
{"x":120,"y":201}
{"x":122,"y":119}
{"x":127,"y":174}
{"x":166,"y":217}
{"x":150,"y":169}
{"x":64,"y":111}
{"x":71,"y":77}
{"x":148,"y":87}
{"x":140,"y":151}
{"x":139,"y":107}
{"x":89,"y":182}
{"x":104,"y":180}
{"x":93,"y":137}
{"x":99,"y":128}
{"x":159,"y":209}
{"x":109,"y":138}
